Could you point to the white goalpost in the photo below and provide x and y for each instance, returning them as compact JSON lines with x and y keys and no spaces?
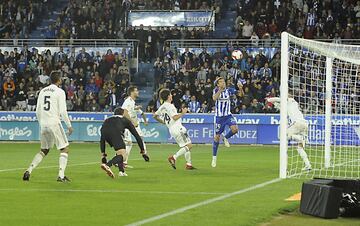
{"x":324,"y":79}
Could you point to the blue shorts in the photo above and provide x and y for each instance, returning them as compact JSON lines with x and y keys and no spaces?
{"x":221,"y":122}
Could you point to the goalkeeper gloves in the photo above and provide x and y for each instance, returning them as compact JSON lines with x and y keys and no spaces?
{"x":145,"y":156}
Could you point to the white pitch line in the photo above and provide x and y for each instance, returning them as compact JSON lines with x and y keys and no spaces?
{"x":108,"y":191}
{"x":203,"y":203}
{"x":49,"y":167}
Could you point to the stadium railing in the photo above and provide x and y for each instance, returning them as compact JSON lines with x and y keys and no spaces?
{"x":223,"y":43}
{"x":130,"y":44}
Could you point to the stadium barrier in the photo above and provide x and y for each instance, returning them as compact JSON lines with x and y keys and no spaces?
{"x":131,"y":46}
{"x":240,"y":43}
{"x":253,"y":128}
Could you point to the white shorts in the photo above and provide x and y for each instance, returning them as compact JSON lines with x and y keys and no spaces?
{"x":54,"y":134}
{"x":298,"y":128}
{"x":180,"y":135}
{"x":128,"y":138}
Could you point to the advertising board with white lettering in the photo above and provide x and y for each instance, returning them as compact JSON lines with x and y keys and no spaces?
{"x":253,"y":128}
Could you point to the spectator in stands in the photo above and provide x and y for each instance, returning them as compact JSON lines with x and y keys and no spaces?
{"x":21,"y":95}
{"x":247,"y":30}
{"x":9,"y":87}
{"x":31,"y":99}
{"x":255,"y":107}
{"x":265,"y":72}
{"x":194,"y":105}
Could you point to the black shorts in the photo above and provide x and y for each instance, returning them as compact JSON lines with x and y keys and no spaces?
{"x":117,"y":142}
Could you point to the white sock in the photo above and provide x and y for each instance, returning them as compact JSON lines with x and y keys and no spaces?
{"x":62,"y":164}
{"x":128,"y":150}
{"x":304,"y":156}
{"x":188,"y":157}
{"x":179,"y":153}
{"x":214,"y":158}
{"x":35,"y":162}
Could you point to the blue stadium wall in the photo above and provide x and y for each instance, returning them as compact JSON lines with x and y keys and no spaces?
{"x":253,"y":128}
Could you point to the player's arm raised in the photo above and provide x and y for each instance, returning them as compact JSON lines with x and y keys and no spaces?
{"x":217,"y":94}
{"x":178,"y":116}
{"x":64,"y":113}
{"x":273,"y":99}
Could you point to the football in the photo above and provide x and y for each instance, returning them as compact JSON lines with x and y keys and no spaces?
{"x":236,"y":55}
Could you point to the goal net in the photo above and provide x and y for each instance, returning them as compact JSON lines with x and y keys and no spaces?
{"x":324,"y":79}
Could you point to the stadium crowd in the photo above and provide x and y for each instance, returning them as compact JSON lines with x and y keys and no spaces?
{"x":326,"y":19}
{"x":92,"y":81}
{"x":97,"y":82}
{"x":18,"y":18}
{"x":191,"y":77}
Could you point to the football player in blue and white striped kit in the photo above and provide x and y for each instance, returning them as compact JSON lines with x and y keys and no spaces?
{"x":223,"y":116}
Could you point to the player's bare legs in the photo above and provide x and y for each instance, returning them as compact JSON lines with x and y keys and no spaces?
{"x":63,"y":159}
{"x":35,"y":162}
{"x":186,"y":151}
{"x":233,"y":130}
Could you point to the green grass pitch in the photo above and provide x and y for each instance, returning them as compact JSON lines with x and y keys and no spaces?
{"x":151,"y":189}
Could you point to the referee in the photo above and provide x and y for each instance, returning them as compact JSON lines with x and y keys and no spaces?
{"x":112,"y":132}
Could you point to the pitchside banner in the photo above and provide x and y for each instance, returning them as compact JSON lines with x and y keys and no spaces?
{"x":169,"y":19}
{"x":253,"y":128}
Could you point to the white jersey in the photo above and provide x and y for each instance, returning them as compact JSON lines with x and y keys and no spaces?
{"x":129,"y":105}
{"x":51,"y":107}
{"x":167,"y":111}
{"x":293,"y":109}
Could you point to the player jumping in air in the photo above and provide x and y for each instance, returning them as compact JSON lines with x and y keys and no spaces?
{"x":167,"y":114}
{"x":131,"y":111}
{"x":223,"y":116}
{"x":112,"y":132}
{"x":298,"y":128}
{"x":51,"y":107}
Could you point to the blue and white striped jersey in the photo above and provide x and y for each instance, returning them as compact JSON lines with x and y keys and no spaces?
{"x":223,"y":104}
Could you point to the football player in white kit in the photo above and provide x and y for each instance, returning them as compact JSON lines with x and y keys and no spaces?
{"x":131,"y":111}
{"x":167,"y":114}
{"x":50,"y":109}
{"x":298,"y":128}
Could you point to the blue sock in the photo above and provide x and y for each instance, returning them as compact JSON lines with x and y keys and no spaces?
{"x":229,"y":134}
{"x":215,"y":148}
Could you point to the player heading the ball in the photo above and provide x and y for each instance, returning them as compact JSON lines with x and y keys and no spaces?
{"x":167,"y":114}
{"x":223,"y":116}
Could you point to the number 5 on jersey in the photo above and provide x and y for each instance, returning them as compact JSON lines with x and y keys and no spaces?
{"x":46,"y":103}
